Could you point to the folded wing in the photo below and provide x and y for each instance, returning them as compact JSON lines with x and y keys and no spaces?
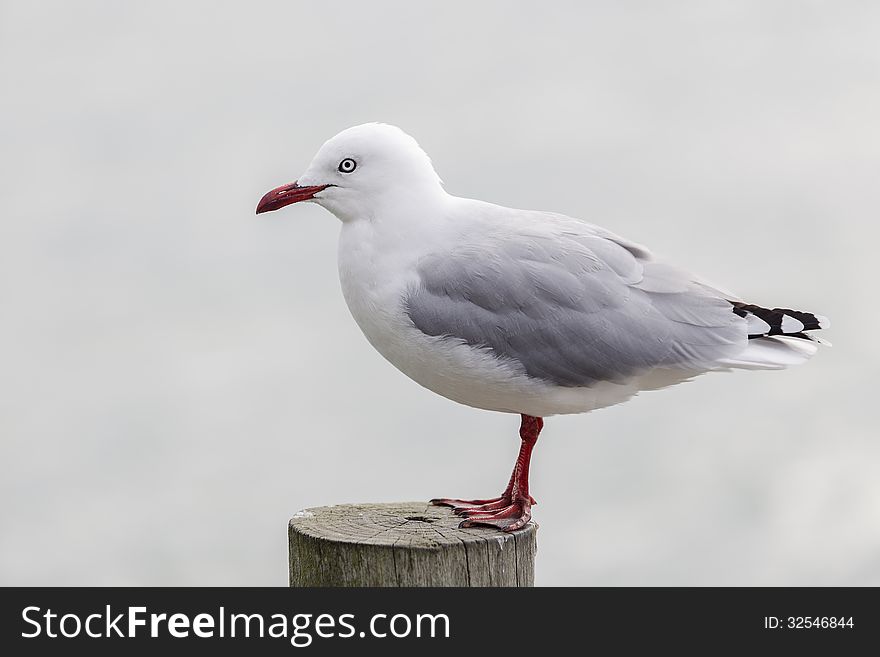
{"x":573,"y":306}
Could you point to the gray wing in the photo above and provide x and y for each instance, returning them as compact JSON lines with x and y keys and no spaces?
{"x":573,"y":308}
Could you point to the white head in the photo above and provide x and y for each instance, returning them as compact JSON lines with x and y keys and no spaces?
{"x":359,"y":170}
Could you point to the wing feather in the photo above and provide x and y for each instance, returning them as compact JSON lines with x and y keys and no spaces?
{"x":573,"y":306}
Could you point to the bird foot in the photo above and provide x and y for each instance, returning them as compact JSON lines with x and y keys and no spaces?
{"x":505,"y":513}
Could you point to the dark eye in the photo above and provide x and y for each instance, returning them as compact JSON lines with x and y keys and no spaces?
{"x":347,"y":165}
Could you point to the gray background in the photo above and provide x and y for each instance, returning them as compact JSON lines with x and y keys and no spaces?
{"x":179,"y":376}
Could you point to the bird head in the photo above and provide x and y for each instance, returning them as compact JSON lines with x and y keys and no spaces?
{"x":358,"y":171}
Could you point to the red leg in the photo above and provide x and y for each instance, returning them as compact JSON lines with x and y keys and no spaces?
{"x":513,"y":509}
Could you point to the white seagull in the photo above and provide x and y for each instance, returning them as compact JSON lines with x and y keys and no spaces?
{"x":519,"y":311}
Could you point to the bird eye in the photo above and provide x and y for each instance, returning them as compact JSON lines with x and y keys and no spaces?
{"x":347,"y":165}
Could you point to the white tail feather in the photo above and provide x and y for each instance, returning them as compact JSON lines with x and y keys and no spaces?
{"x":773,"y":353}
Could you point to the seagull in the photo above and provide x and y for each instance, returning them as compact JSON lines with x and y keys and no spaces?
{"x":519,"y":311}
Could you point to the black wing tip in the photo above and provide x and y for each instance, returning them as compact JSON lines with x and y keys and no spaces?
{"x":782,"y":321}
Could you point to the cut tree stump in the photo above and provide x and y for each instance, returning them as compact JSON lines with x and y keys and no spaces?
{"x":404,"y":544}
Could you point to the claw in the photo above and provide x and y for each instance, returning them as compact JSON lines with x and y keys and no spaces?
{"x":503,"y":512}
{"x":509,"y":519}
{"x":463,"y":504}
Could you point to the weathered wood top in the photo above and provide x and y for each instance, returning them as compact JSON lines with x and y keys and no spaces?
{"x":404,"y":544}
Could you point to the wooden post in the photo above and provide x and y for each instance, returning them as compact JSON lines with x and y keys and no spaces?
{"x":404,"y":544}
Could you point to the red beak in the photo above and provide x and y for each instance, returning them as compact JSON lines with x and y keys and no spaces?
{"x":287,"y":194}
